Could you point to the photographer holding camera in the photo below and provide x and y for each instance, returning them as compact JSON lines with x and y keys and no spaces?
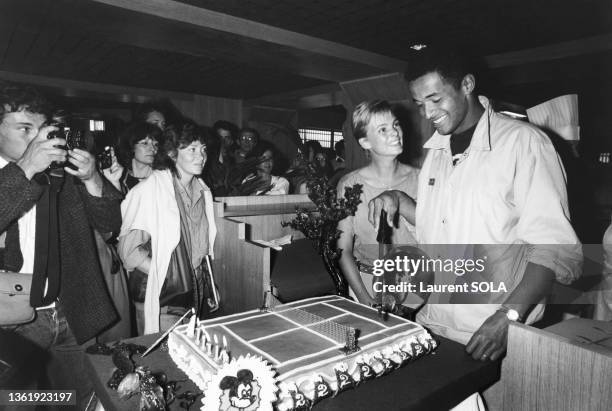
{"x":46,"y":242}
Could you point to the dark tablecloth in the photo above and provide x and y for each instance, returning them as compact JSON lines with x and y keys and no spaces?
{"x":21,"y":361}
{"x":437,"y":381}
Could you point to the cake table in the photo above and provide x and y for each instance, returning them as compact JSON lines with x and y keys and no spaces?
{"x":437,"y":381}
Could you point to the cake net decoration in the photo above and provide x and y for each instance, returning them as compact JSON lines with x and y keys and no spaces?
{"x":338,"y":332}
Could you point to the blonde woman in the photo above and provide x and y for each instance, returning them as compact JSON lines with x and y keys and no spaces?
{"x":377,"y":131}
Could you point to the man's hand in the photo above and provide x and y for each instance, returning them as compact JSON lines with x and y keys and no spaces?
{"x":114,"y":172}
{"x":85,"y":164}
{"x":490,"y":340}
{"x":388,"y":201}
{"x":41,"y":152}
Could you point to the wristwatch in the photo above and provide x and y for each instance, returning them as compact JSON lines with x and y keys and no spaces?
{"x":512,"y":314}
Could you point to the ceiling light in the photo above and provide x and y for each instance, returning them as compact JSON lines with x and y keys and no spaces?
{"x":418,"y":47}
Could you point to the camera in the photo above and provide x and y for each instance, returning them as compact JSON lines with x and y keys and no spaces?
{"x":74,"y":139}
{"x":105,"y":158}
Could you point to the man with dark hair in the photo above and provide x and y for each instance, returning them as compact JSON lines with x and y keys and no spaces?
{"x":227,"y":133}
{"x":247,"y":141}
{"x":494,"y":184}
{"x":450,"y":65}
{"x":50,"y":200}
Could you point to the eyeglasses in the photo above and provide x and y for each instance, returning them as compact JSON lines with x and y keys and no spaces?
{"x":247,"y":138}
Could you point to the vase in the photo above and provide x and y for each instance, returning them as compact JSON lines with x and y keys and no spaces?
{"x":333,"y":268}
{"x":327,"y":249}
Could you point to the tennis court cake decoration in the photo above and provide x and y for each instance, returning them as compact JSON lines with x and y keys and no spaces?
{"x":292,"y":356}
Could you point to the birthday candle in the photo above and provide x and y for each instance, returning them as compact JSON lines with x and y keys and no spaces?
{"x":224,"y":357}
{"x":217,"y":348}
{"x":191,"y":327}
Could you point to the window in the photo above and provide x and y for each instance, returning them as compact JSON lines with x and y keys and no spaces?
{"x":96,"y":125}
{"x":326,"y":137}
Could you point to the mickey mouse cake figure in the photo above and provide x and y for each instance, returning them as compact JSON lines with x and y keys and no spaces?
{"x":240,"y":389}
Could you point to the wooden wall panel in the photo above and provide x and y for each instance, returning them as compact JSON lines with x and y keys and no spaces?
{"x":241,"y":268}
{"x":205,"y":110}
{"x":268,"y":227}
{"x":241,"y":265}
{"x":543,"y":371}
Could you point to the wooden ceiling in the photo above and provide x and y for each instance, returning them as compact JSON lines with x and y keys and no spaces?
{"x":293,"y":52}
{"x":389,"y":27}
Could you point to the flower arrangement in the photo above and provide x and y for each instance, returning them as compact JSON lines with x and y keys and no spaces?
{"x":130,"y":379}
{"x":321,"y":225}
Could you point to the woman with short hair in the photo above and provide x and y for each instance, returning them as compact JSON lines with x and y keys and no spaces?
{"x":377,"y":130}
{"x":168,"y":230}
{"x":138,"y":153}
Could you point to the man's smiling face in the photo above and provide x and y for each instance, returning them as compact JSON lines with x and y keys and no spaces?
{"x":441,"y":103}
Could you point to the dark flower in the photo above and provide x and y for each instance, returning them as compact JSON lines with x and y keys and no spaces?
{"x":320,"y":225}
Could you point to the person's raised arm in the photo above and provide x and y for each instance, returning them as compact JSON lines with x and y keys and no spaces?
{"x":41,"y":152}
{"x":85,"y":164}
{"x":19,"y":191}
{"x":102,"y":200}
{"x":392,"y":201}
{"x":114,"y":173}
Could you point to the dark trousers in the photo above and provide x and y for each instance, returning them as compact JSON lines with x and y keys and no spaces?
{"x":64,"y":365}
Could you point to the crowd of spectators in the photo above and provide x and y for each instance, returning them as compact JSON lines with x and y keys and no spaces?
{"x":134,"y":227}
{"x":145,"y":208}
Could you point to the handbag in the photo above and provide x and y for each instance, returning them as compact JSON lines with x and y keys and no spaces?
{"x":15,"y":305}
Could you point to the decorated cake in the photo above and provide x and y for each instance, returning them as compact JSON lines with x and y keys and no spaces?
{"x":294,"y":355}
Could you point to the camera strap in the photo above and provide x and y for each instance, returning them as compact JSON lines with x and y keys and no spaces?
{"x":46,"y":245}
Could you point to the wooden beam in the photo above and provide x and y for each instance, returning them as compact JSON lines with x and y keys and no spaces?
{"x":391,"y":87}
{"x":518,"y":67}
{"x":565,"y":49}
{"x":209,"y":19}
{"x":312,"y":97}
{"x":571,"y":70}
{"x":333,"y":98}
{"x":114,"y":92}
{"x":155,"y":32}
